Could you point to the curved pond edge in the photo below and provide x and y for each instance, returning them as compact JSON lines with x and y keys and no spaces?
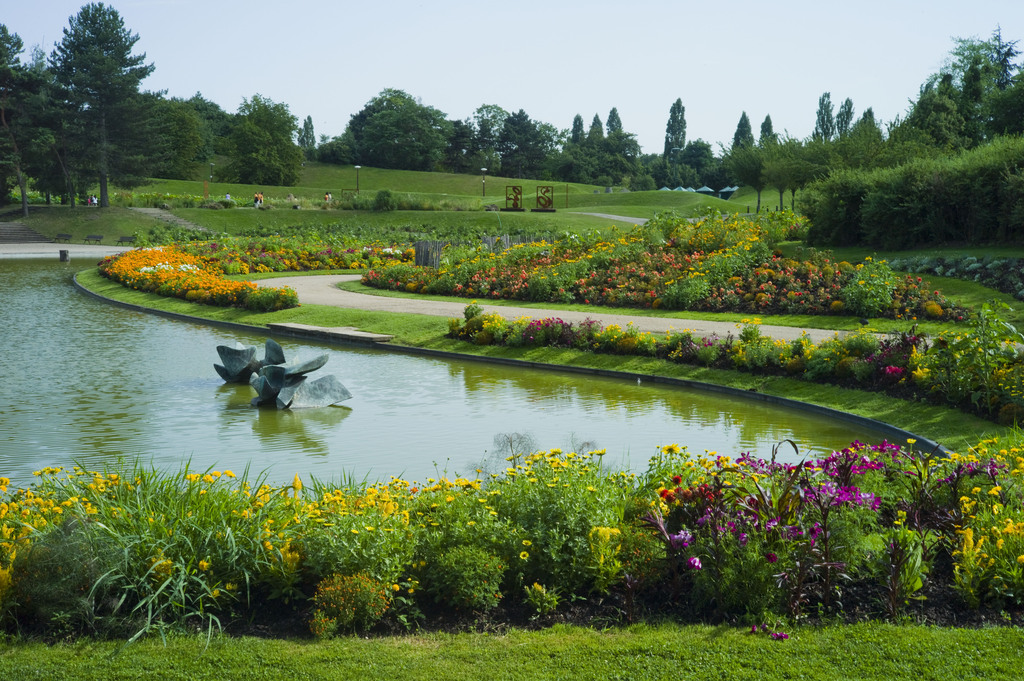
{"x":891,"y":432}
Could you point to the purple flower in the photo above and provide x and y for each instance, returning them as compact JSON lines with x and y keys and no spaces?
{"x":694,"y":563}
{"x":779,"y":635}
{"x":770,"y":557}
{"x":680,"y":541}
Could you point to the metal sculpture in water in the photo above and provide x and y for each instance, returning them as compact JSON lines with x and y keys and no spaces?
{"x":278,"y":382}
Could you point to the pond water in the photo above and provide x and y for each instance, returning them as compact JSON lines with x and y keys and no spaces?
{"x":93,"y":383}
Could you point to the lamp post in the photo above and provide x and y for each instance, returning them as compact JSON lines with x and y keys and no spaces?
{"x":211,"y":172}
{"x":483,"y":182}
{"x":357,"y":179}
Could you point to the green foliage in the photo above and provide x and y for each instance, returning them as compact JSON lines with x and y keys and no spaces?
{"x":675,"y":129}
{"x":979,"y":366}
{"x":901,"y":569}
{"x":100,"y":77}
{"x":467,"y":577}
{"x":685,"y":294}
{"x":870,"y":292}
{"x":825,"y":123}
{"x":744,"y":135}
{"x":348,"y":603}
{"x":393,"y":130}
{"x":969,"y":198}
{"x":543,"y":601}
{"x":384,"y":201}
{"x":556,"y":500}
{"x":1004,"y":274}
{"x":54,"y":584}
{"x":270,"y":299}
{"x":263,"y":148}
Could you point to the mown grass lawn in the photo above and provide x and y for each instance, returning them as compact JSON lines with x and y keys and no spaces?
{"x":668,"y":651}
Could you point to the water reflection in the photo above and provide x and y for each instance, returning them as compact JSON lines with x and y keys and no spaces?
{"x":93,"y":383}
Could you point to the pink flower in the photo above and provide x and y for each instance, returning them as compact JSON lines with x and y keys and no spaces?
{"x":694,"y":563}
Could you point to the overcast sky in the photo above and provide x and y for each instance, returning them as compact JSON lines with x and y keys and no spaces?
{"x":554,"y":59}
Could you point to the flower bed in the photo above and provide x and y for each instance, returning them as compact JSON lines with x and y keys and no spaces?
{"x":864,"y":532}
{"x":168,"y":271}
{"x":714,"y":264}
{"x":243,"y":255}
{"x":979,"y":369}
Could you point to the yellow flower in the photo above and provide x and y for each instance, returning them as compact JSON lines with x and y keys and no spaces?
{"x":204,"y":565}
{"x":297,"y":483}
{"x":524,"y":555}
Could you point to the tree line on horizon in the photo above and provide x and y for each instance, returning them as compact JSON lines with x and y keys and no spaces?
{"x":76,"y":118}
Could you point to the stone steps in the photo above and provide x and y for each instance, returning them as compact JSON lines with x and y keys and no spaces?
{"x":17,"y":233}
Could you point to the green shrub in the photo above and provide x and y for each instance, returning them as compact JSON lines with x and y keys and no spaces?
{"x":384,"y":201}
{"x":870,"y":294}
{"x":266,"y":299}
{"x":348,"y":603}
{"x":687,"y":294}
{"x":467,"y":577}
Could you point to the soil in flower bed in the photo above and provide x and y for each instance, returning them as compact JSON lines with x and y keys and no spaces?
{"x":861,"y":601}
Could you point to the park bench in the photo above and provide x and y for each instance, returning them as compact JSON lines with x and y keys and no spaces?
{"x":66,"y":238}
{"x":94,"y":238}
{"x":125,"y":240}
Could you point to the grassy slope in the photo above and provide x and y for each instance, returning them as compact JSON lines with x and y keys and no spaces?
{"x":81,"y":220}
{"x":317,"y":178}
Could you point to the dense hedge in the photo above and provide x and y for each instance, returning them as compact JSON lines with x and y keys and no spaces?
{"x":976,"y":197}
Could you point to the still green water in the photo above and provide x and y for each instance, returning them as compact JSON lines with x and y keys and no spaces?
{"x":92,"y":383}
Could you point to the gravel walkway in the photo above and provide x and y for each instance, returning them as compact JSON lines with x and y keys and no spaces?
{"x":323,"y":290}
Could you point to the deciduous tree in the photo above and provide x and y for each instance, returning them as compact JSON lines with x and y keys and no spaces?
{"x":844,"y":118}
{"x":675,"y":129}
{"x":264,"y":150}
{"x":307,"y":138}
{"x":825,"y":123}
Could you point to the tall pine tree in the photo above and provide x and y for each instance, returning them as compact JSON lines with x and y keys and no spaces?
{"x":614,"y":123}
{"x":768,"y":135}
{"x":576,"y":136}
{"x":744,"y":135}
{"x":100,"y":77}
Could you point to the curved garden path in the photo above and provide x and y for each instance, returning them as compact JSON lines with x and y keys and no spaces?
{"x":323,"y":290}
